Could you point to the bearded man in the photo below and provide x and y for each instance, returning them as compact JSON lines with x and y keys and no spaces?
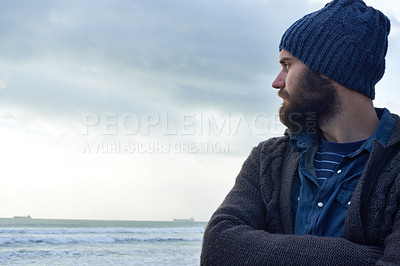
{"x":328,"y":191}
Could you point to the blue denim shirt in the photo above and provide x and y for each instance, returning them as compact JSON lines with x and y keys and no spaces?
{"x":321,"y":209}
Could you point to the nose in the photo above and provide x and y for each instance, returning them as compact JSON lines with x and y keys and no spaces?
{"x":279,"y":82}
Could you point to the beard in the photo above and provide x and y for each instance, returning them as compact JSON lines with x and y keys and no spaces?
{"x":314,"y":101}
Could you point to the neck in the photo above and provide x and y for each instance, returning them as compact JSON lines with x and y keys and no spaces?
{"x":356,"y":120}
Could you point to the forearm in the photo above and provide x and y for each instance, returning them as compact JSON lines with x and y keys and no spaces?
{"x":392,"y":245}
{"x":227,"y":242}
{"x":241,"y":231}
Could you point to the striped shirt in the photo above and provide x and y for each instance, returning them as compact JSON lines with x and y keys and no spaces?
{"x":329,"y":156}
{"x":321,"y":209}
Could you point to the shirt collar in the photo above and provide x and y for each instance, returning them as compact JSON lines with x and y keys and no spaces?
{"x":382,"y":133}
{"x":302,"y":141}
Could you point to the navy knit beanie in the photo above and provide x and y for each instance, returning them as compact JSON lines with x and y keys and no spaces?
{"x":346,"y":41}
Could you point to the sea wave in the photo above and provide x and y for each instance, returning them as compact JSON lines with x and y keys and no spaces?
{"x":55,"y":242}
{"x":91,"y":239}
{"x":101,"y":230}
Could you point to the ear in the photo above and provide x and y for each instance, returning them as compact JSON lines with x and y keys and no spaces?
{"x":331,"y":81}
{"x":325,"y":77}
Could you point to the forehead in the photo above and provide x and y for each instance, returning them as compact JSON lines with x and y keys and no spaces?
{"x":286,"y":55}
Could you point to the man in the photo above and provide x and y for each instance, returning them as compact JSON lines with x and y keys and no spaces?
{"x":328,"y":191}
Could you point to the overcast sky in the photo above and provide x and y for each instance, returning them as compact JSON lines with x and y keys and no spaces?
{"x":142,"y":109}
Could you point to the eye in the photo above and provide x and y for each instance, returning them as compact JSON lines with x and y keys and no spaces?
{"x":285,"y":66}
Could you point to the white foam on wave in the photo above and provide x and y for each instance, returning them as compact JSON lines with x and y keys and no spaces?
{"x":101,"y":230}
{"x":57,"y":236}
{"x":92,"y":239}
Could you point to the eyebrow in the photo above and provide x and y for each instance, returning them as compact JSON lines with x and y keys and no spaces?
{"x":284,"y":59}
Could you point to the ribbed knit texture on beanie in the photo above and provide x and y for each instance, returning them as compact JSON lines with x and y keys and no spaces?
{"x":346,"y":40}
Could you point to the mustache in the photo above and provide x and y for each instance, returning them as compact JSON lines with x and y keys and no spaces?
{"x":283,"y":94}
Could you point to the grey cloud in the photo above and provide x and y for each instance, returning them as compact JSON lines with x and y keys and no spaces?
{"x":197,"y":53}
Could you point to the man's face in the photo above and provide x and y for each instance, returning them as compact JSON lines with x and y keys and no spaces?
{"x":308,"y":98}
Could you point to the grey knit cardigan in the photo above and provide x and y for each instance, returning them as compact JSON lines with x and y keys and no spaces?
{"x":254,"y":224}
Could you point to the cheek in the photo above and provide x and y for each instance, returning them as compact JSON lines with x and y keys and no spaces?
{"x":290,"y":83}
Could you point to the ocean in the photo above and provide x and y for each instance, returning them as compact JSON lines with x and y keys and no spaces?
{"x":92,"y":242}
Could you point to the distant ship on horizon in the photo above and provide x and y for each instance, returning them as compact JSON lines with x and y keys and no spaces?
{"x":184,"y":220}
{"x":23,"y":217}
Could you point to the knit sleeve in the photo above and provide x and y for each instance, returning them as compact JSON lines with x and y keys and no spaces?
{"x":392,"y":241}
{"x":237,"y":233}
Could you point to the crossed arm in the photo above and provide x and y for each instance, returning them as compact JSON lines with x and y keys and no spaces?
{"x":237,"y":234}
